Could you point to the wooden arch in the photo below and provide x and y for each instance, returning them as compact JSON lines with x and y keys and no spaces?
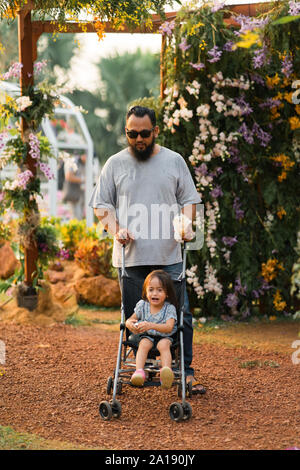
{"x":28,"y":34}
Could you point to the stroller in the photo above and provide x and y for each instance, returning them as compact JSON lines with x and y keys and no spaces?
{"x":131,"y":293}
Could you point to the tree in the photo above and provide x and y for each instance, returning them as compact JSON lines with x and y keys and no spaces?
{"x":58,"y":50}
{"x":124,"y":78}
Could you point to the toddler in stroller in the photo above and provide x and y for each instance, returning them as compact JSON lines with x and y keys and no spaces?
{"x":154,"y":321}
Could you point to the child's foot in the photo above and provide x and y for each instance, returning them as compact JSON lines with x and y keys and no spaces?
{"x":166,"y":377}
{"x":138,"y":378}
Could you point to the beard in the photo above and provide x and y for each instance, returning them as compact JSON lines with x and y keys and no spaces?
{"x":145,"y":154}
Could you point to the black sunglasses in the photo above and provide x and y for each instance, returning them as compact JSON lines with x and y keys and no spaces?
{"x":144,"y":133}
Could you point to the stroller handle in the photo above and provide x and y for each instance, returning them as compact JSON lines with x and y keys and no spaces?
{"x":183,"y":260}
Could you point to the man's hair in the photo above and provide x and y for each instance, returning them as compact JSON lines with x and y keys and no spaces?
{"x":141,"y":111}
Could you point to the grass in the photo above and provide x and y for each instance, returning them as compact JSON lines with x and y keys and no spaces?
{"x":255,"y":363}
{"x":76,"y":319}
{"x":14,"y":440}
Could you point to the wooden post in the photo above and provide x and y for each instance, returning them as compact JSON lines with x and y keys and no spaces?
{"x":162,"y":66}
{"x":26,"y":80}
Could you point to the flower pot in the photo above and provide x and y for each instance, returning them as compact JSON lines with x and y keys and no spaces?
{"x":27,"y":301}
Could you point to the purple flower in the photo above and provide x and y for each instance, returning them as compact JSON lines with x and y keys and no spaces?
{"x":246,"y":133}
{"x":294,"y":9}
{"x":231,"y":300}
{"x":229,"y":241}
{"x":23,"y":178}
{"x":184,"y":46}
{"x":43,"y":247}
{"x":255,"y":294}
{"x":239,"y":213}
{"x":233,"y":151}
{"x":245,"y":107}
{"x":257,"y":79}
{"x":34,"y":145}
{"x":216,"y":192}
{"x":217,"y":6}
{"x":263,"y":136}
{"x":201,"y":170}
{"x":64,"y":254}
{"x":269,"y":103}
{"x":249,"y":23}
{"x":287,"y":66}
{"x":167,"y":28}
{"x":260,"y":57}
{"x":228,"y":46}
{"x":46,"y":170}
{"x":198,"y":66}
{"x":38,"y":66}
{"x":14,"y":71}
{"x":215,"y":54}
{"x":239,"y":288}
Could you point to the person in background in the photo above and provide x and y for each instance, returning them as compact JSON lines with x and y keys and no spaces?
{"x":74,"y":187}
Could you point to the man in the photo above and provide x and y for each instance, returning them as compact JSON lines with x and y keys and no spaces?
{"x":140,"y":184}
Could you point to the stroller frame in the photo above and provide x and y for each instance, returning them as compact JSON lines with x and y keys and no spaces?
{"x":177,"y":411}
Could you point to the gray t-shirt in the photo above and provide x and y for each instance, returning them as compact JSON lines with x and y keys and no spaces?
{"x":146,"y":196}
{"x":142,"y":311}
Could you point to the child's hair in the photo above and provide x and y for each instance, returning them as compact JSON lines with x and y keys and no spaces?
{"x":167,"y":285}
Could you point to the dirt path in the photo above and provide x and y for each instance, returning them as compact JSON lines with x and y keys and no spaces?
{"x":56,"y":376}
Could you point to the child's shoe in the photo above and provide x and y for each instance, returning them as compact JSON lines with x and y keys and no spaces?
{"x":166,"y":377}
{"x":138,"y":378}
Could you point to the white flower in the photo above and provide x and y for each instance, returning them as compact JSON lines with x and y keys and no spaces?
{"x":23,"y":102}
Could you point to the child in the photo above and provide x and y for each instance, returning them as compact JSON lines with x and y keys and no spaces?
{"x":155,"y":319}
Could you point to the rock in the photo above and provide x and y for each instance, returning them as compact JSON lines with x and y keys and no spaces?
{"x":70,"y":273}
{"x":98,"y":290}
{"x":8,"y":261}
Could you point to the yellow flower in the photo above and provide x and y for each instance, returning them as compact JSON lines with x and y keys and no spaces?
{"x":274,"y":113}
{"x":270,"y":268}
{"x":272,"y":81}
{"x":272,"y":318}
{"x":278,"y":302}
{"x":289,"y":97}
{"x":285,"y":163}
{"x":297,"y":107}
{"x":294,"y":122}
{"x":248,"y":39}
{"x":281,"y":212}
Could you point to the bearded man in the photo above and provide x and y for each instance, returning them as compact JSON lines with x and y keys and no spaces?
{"x":136,"y":187}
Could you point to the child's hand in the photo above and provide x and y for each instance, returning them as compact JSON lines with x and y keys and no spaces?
{"x":143,"y":326}
{"x":132,"y":325}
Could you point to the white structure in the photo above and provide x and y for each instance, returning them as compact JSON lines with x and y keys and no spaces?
{"x":66,"y":132}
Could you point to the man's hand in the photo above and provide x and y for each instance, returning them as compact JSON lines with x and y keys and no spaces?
{"x":123,"y":236}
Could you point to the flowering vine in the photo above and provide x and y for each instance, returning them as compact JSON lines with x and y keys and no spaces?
{"x":229,"y":110}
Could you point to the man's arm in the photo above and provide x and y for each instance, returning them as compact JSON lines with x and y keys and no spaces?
{"x":111,"y":225}
{"x":189,"y":211}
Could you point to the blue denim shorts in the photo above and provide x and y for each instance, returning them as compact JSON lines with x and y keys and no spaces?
{"x":155,"y":339}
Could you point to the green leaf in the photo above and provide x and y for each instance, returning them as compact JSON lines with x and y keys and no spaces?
{"x":286,"y":19}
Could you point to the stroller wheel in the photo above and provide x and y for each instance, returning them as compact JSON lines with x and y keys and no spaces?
{"x":105,"y":410}
{"x":116,"y":408}
{"x":176,"y":411}
{"x":187,"y":411}
{"x":109,"y":386}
